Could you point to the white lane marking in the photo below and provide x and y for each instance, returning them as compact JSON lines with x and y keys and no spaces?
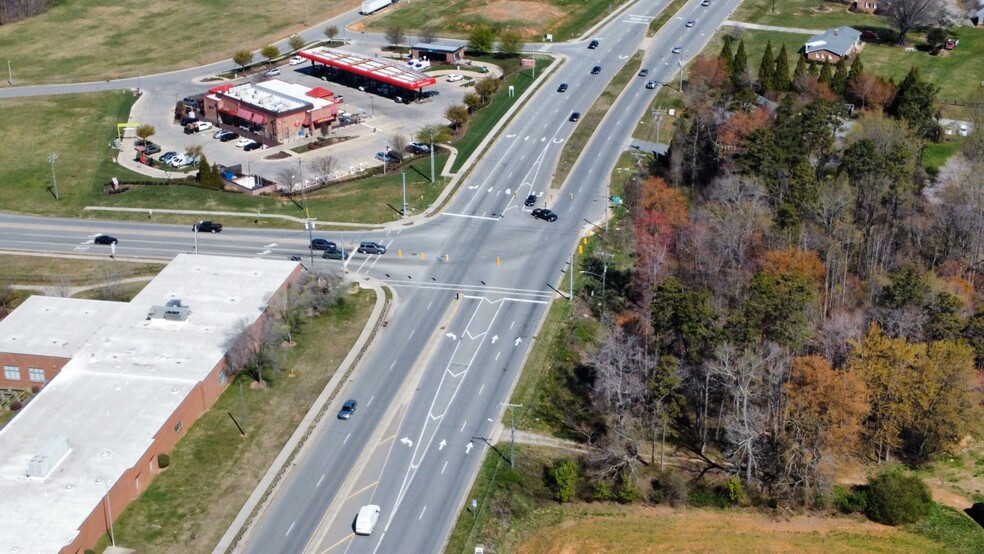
{"x":370,"y":401}
{"x":291,"y":528}
{"x":320,"y":480}
{"x":392,"y":364}
{"x":422,"y":513}
{"x":497,"y":355}
{"x":463,"y":423}
{"x":511,"y":324}
{"x":411,"y":334}
{"x":429,"y":305}
{"x":483,"y":387}
{"x":346,"y":438}
{"x":445,"y":466}
{"x":470,"y":216}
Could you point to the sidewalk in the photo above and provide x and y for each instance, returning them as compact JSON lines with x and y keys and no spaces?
{"x":757,"y":27}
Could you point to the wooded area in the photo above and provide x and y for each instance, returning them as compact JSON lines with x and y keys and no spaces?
{"x":16,"y":10}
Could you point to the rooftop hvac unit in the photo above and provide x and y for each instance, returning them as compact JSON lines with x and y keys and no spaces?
{"x":51,"y":454}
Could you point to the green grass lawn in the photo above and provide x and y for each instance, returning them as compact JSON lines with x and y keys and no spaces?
{"x":666,"y":99}
{"x":95,"y":40}
{"x":564,"y":19}
{"x":805,"y":14}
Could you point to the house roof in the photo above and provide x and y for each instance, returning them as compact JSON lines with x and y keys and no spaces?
{"x":434,"y":47}
{"x":838,"y":40}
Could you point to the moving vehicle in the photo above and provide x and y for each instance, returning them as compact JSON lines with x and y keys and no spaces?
{"x":365,"y":522}
{"x":706,"y":3}
{"x":348,"y":408}
{"x":596,"y":70}
{"x":369,"y":247}
{"x":372,"y":6}
{"x":644,"y":73}
{"x":295,"y":60}
{"x":455,"y":77}
{"x":593,"y":44}
{"x":335,"y":254}
{"x":207,"y":227}
{"x":530,"y":200}
{"x":544,"y":214}
{"x":650,"y":84}
{"x":677,"y":49}
{"x":691,"y":23}
{"x":273,"y":72}
{"x":562,"y":87}
{"x":575,"y":116}
{"x":104,"y":239}
{"x":322,"y":244}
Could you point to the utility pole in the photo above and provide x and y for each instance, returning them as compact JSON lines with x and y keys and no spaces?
{"x":570,"y":273}
{"x":10,"y":74}
{"x":431,"y":133}
{"x":404,"y":193}
{"x":512,"y":438}
{"x":681,"y":70}
{"x":51,"y":160}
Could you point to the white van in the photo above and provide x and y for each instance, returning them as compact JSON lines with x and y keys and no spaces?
{"x":366,"y":522}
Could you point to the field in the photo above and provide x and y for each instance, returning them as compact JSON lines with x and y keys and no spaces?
{"x":43,"y":270}
{"x":94,"y":40}
{"x":806,"y":14}
{"x":565,"y":19}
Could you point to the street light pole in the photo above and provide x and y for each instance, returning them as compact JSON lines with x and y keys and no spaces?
{"x":681,"y":70}
{"x":51,"y":160}
{"x":10,"y":74}
{"x":404,"y":193}
{"x":659,"y":118}
{"x":512,"y":438}
{"x":196,"y":238}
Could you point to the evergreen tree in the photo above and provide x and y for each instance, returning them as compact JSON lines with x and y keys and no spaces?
{"x":727,"y":56}
{"x":767,"y":70}
{"x":825,"y":74}
{"x":800,"y":69}
{"x":857,"y":69}
{"x":838,"y":83}
{"x":813,"y":68}
{"x":217,"y":177}
{"x":739,"y":64}
{"x":914,"y":102}
{"x":782,"y":70}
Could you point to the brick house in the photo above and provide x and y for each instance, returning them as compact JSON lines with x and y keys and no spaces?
{"x":833,"y":45}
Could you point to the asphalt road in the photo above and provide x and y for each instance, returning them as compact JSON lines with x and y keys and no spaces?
{"x":472,"y":287}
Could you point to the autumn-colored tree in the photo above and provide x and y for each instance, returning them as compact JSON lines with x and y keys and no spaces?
{"x":794,"y":260}
{"x":732,"y":132}
{"x":656,"y":195}
{"x":822,"y":419}
{"x":870,"y":90}
{"x":708,"y":73}
{"x":472,"y":100}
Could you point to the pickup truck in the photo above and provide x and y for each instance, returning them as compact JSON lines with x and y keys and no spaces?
{"x":207,"y":227}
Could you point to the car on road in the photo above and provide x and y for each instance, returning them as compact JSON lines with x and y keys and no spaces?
{"x":207,"y":227}
{"x":335,"y":254}
{"x":596,"y":70}
{"x":644,"y":73}
{"x":562,"y":87}
{"x":228,"y":136}
{"x":530,"y":200}
{"x":369,"y":247}
{"x":677,"y":49}
{"x":386,"y":157}
{"x":295,"y":60}
{"x":691,"y":23}
{"x":272,"y":73}
{"x":593,"y":44}
{"x":104,"y":239}
{"x":166,"y":157}
{"x":575,"y":116}
{"x":348,"y":408}
{"x":544,"y":214}
{"x":706,"y":3}
{"x":253,"y":145}
{"x":243,"y":142}
{"x":322,"y":244}
{"x":455,"y":77}
{"x":651,"y":84}
{"x":365,"y":522}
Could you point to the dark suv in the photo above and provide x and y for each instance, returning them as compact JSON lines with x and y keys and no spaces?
{"x":368,"y":247}
{"x":593,"y":44}
{"x":322,"y":244}
{"x":544,"y":214}
{"x":207,"y":227}
{"x":334,"y":254}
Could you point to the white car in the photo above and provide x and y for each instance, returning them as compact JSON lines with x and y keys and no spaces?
{"x":691,"y":23}
{"x":677,"y":49}
{"x":243,"y":142}
{"x":273,"y":72}
{"x":204,"y":126}
{"x":366,"y":521}
{"x":295,"y":60}
{"x":455,"y":77}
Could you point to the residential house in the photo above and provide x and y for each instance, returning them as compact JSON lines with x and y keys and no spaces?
{"x":832,"y":45}
{"x":869,"y":6}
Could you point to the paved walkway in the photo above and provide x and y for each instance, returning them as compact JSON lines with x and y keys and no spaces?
{"x":757,"y":27}
{"x":528,"y":437}
{"x":69,"y":292}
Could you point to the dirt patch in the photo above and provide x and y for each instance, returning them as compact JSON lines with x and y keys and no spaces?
{"x":533,"y":12}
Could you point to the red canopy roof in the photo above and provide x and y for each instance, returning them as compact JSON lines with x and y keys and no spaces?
{"x":379,"y":69}
{"x":221,"y":88}
{"x":318,"y":92}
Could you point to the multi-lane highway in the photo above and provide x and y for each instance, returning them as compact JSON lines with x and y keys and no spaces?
{"x":472,"y":286}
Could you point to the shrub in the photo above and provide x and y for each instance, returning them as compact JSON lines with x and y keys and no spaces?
{"x":670,"y":487}
{"x":704,"y":497}
{"x":850,"y":500}
{"x":163,"y":460}
{"x":16,"y":405}
{"x":564,"y":476}
{"x":895,"y":498}
{"x":627,"y":489}
{"x":603,"y":491}
{"x":736,"y":492}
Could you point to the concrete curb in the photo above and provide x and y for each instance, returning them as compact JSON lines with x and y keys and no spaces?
{"x":269,"y":484}
{"x":617,"y":13}
{"x":255,"y":215}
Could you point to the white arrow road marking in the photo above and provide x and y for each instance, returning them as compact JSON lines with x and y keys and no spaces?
{"x":508,"y":192}
{"x":451,"y":336}
{"x":265,"y":252}
{"x":406,"y":441}
{"x":469,"y":447}
{"x":510,"y":136}
{"x":495,"y":338}
{"x":271,"y":245}
{"x":518,"y":340}
{"x":442,"y":444}
{"x":473,"y":187}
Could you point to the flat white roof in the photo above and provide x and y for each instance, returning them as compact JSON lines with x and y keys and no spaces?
{"x":121,"y":386}
{"x":294,"y":90}
{"x":50,"y":326}
{"x":261,"y":95}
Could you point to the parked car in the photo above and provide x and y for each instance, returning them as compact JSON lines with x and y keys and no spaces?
{"x":869,"y":35}
{"x":593,"y":44}
{"x":229,"y":135}
{"x":335,"y":254}
{"x":691,"y":23}
{"x":365,"y":522}
{"x":190,"y":101}
{"x":104,"y":239}
{"x":575,"y":116}
{"x":150,"y":148}
{"x":530,"y":200}
{"x":419,"y":148}
{"x":203,"y":126}
{"x":369,"y":247}
{"x":272,"y":73}
{"x":651,"y":84}
{"x":241,"y":143}
{"x":348,"y":408}
{"x":596,"y":70}
{"x":219,"y":134}
{"x":562,"y":87}
{"x":544,"y":214}
{"x":253,"y":145}
{"x":677,"y":49}
{"x":455,"y":77}
{"x":644,"y":73}
{"x":430,"y":93}
{"x":322,"y":244}
{"x":207,"y":227}
{"x":295,"y":60}
{"x":166,"y":157}
{"x":386,"y":157}
{"x":179,"y":160}
{"x":190,"y":118}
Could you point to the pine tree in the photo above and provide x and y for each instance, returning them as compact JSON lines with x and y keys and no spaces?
{"x":813,"y":68}
{"x":825,"y":74}
{"x":739,"y":64}
{"x":767,"y":70}
{"x":857,"y":69}
{"x":838,"y":83}
{"x":782,"y":69}
{"x":800,"y":69}
{"x":727,"y":55}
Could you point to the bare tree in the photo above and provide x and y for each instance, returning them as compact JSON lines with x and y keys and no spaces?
{"x":399,"y":142}
{"x":331,"y":32}
{"x":61,"y":287}
{"x":288,"y":179}
{"x":427,"y":34}
{"x":906,"y":15}
{"x":324,"y":168}
{"x":395,"y":35}
{"x":112,"y":284}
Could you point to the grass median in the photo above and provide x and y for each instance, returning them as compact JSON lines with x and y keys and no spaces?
{"x":213,"y":470}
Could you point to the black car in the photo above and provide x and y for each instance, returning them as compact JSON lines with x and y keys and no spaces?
{"x":166,"y":157}
{"x":207,"y":227}
{"x":228,"y":135}
{"x":335,"y":254}
{"x":593,"y":44}
{"x":188,"y":119}
{"x":368,"y":247}
{"x":544,"y":214}
{"x":562,"y":87}
{"x":429,"y":93}
{"x":575,"y":116}
{"x":105,"y":239}
{"x":530,"y":200}
{"x":644,"y":72}
{"x":596,"y":70}
{"x":252,"y":146}
{"x":348,"y":408}
{"x":322,"y":244}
